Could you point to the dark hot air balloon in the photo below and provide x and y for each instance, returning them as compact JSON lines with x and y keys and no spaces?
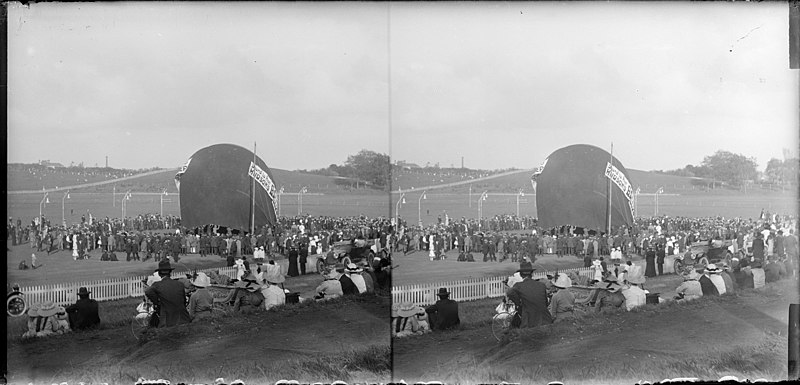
{"x":216,"y":186}
{"x":572,"y":189}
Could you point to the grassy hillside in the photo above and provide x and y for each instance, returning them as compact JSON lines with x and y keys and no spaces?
{"x":649,"y":182}
{"x":292,"y":182}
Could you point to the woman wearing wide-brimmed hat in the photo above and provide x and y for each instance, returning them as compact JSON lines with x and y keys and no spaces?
{"x":562,"y":303}
{"x":273,"y":294}
{"x":354,"y":273}
{"x":201,"y":302}
{"x":690,"y":289}
{"x":248,"y":295}
{"x":404,"y":322}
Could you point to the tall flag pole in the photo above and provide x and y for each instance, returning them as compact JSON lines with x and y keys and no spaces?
{"x":253,"y":197}
{"x":608,"y":203}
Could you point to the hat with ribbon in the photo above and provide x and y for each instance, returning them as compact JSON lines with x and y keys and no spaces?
{"x":443,"y":292}
{"x":407,"y":309}
{"x":48,"y":309}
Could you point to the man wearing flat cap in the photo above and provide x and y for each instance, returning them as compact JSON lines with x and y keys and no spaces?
{"x":84,"y":313}
{"x":530,"y":296}
{"x":443,"y":314}
{"x":169,"y":296}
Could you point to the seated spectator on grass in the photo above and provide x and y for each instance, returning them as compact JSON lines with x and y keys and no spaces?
{"x":712,"y":272}
{"x":354,"y":273}
{"x":759,"y":276}
{"x":774,"y":270}
{"x":247,"y":294}
{"x":85,"y":313}
{"x":62,"y":321}
{"x":273,"y":294}
{"x":329,"y":288}
{"x":563,"y":301}
{"x":201,"y":302}
{"x":404,"y":322}
{"x":443,"y":314}
{"x":690,"y":289}
{"x":23,"y":265}
{"x":634,"y":295}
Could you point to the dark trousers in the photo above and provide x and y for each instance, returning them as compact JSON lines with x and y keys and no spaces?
{"x":660,"y":267}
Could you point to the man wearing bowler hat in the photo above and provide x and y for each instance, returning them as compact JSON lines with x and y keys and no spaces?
{"x":530,"y":296}
{"x":169,"y":296}
{"x":443,"y":314}
{"x":84,"y":314}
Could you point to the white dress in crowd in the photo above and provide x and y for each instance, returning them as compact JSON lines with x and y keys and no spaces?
{"x":431,"y":248}
{"x":74,"y":246}
{"x":239,"y":269}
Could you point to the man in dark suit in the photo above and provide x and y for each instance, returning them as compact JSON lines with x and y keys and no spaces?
{"x":169,"y":296}
{"x":530,"y":296}
{"x":443,"y":314}
{"x":84,"y":314}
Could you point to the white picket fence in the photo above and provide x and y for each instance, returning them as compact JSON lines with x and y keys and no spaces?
{"x":119,"y":288}
{"x":464,"y":290}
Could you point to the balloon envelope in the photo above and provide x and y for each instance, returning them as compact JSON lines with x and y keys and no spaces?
{"x":572,"y":189}
{"x":215,"y":188}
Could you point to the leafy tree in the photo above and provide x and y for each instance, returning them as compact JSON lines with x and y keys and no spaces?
{"x":370,"y":166}
{"x":730,"y":168}
{"x":782,"y":172}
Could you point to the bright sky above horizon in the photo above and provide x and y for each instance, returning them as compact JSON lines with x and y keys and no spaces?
{"x":501,"y":84}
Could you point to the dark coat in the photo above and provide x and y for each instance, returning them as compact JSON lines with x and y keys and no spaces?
{"x":444,"y":314}
{"x":84,"y":313}
{"x":348,"y":287}
{"x":170,"y":297}
{"x":531,"y":298}
{"x":707,"y":286}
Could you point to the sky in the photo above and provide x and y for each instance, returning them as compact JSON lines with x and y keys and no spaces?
{"x":502,"y":85}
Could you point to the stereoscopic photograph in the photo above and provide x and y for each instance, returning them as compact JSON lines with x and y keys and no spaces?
{"x":402,"y":192}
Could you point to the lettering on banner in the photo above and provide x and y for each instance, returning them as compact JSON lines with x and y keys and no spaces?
{"x":180,"y":173}
{"x":536,"y":172}
{"x":621,"y":181}
{"x":265,"y":181}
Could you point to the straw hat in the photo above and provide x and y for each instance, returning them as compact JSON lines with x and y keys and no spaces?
{"x":202,"y":280}
{"x":33,"y":311}
{"x":563,"y":282}
{"x":48,"y":309}
{"x":274,"y":274}
{"x":407,"y":309}
{"x":636,"y":279}
{"x":353,"y":268}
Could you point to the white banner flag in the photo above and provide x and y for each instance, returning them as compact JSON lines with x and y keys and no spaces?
{"x":622,"y":182}
{"x":262,"y":178}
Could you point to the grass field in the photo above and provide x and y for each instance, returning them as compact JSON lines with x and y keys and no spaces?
{"x":742,"y":334}
{"x":457,"y":205}
{"x":260,"y":347}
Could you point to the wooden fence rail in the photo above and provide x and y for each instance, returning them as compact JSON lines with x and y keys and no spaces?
{"x":464,"y":290}
{"x":102,"y":290}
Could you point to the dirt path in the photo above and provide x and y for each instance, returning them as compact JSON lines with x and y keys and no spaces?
{"x":628,"y":342}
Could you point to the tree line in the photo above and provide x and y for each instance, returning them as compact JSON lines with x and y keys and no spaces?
{"x":735,"y":170}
